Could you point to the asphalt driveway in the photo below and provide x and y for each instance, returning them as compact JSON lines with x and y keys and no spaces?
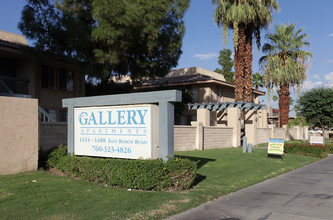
{"x":305,"y":193}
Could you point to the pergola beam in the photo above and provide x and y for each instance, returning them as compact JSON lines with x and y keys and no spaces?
{"x":222,"y":106}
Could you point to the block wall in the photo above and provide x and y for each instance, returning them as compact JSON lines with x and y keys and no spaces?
{"x":217,"y":137}
{"x":280,"y":133}
{"x":51,"y":134}
{"x":294,"y":134}
{"x":185,"y":138}
{"x":263,"y":134}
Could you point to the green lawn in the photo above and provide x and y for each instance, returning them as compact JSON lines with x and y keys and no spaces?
{"x":262,"y":145}
{"x":41,"y":195}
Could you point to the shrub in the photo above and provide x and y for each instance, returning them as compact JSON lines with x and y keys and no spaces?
{"x":306,"y":149}
{"x":330,"y":145}
{"x":174,"y":174}
{"x":55,"y":154}
{"x":43,"y":156}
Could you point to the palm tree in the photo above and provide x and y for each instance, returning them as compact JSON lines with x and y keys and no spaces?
{"x":246,"y":18}
{"x":257,"y":80}
{"x":285,"y":64}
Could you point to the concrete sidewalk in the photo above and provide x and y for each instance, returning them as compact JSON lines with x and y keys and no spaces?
{"x":305,"y":193}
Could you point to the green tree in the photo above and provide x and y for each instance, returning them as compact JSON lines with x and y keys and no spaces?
{"x":299,"y":120}
{"x":286,"y":64}
{"x":246,"y":18}
{"x":257,"y":80}
{"x":141,"y":38}
{"x":60,"y":29}
{"x":226,"y":63}
{"x":316,"y":106}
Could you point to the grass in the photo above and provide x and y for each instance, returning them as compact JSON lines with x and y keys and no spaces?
{"x":42,"y":195}
{"x":262,"y":145}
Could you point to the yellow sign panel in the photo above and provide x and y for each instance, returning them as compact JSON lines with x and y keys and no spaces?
{"x":275,"y":146}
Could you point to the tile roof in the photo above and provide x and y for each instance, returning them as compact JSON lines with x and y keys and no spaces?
{"x":11,"y":44}
{"x":176,"y":80}
{"x":185,"y":79}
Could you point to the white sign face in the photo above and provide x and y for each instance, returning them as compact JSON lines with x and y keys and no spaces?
{"x":317,"y":140}
{"x":116,"y":131}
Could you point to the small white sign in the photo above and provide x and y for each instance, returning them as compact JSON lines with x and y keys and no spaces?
{"x":116,"y":131}
{"x":317,"y":140}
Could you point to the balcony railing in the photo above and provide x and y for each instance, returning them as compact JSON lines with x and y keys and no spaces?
{"x":12,"y":85}
{"x":45,"y":116}
{"x":8,"y":87}
{"x":4,"y":89}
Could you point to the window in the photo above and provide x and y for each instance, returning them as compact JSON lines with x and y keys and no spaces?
{"x":194,"y":93}
{"x":219,"y":95}
{"x":53,"y":78}
{"x":63,"y":115}
{"x":66,"y":80}
{"x":53,"y":113}
{"x":49,"y":77}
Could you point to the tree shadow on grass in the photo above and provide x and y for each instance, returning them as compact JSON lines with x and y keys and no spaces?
{"x":200,"y":161}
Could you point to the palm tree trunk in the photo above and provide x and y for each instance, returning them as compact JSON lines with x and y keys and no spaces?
{"x":239,"y":64}
{"x":238,"y":94}
{"x":248,"y":67}
{"x":284,"y":104}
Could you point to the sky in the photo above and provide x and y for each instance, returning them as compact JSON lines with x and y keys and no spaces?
{"x":203,"y":38}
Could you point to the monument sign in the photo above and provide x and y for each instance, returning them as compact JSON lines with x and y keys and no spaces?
{"x":130,"y":125}
{"x":317,"y":140}
{"x":114,"y":131}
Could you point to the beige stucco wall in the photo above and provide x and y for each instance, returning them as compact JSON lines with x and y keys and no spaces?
{"x":228,"y":94}
{"x":234,"y":122}
{"x":204,"y":94}
{"x":52,"y":134}
{"x":210,"y":93}
{"x":262,"y":118}
{"x":18,"y":135}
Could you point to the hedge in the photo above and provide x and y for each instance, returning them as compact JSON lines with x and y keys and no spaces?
{"x":330,"y":145}
{"x":175,"y":174}
{"x":306,"y":149}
